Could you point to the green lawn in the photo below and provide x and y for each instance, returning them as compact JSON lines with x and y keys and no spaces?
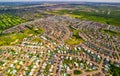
{"x":75,"y":39}
{"x":16,"y":38}
{"x":36,"y":40}
{"x":77,"y":72}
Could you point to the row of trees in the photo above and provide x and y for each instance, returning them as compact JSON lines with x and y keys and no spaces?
{"x":7,"y":21}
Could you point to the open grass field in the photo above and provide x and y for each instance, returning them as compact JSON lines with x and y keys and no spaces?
{"x":92,"y":16}
{"x":75,"y":39}
{"x":15,"y":38}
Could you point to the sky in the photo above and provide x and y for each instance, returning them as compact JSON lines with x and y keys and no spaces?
{"x":62,"y":0}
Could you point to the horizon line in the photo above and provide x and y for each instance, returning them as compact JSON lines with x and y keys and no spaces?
{"x":65,"y":1}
